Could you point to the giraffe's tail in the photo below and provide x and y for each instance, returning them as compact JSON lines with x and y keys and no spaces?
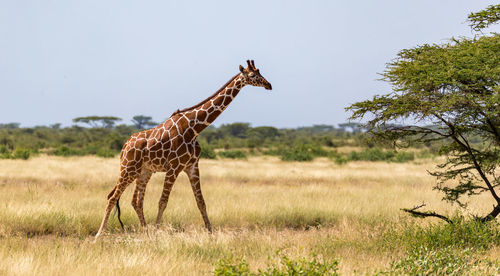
{"x":117,"y":207}
{"x":119,"y":213}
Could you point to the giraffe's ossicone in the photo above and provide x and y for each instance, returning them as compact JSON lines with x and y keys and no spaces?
{"x":171,"y":147}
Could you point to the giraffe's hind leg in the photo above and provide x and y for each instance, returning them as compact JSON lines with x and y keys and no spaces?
{"x":138,"y":198}
{"x":122,"y":183}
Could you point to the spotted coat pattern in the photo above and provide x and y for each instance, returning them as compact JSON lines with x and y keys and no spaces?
{"x":171,"y":147}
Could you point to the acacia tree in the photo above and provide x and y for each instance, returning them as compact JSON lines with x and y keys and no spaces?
{"x":448,"y":93}
{"x":143,"y":122}
{"x":98,"y":121}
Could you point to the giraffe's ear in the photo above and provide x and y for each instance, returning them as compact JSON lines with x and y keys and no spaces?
{"x":241,"y":69}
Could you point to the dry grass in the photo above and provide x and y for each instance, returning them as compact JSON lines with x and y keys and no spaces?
{"x":52,"y":206}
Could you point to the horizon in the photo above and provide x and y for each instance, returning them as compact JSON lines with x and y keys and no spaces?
{"x":122,"y":123}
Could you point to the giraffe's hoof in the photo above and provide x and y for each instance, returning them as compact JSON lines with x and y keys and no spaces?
{"x":98,"y":235}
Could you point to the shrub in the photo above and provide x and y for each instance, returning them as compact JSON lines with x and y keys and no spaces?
{"x":302,"y":266}
{"x":443,"y":261}
{"x":107,"y":153}
{"x":233,"y":154}
{"x":402,"y":157}
{"x":4,"y":152}
{"x":3,"y":149}
{"x":372,"y":154}
{"x":462,"y":233}
{"x":272,"y":152}
{"x":207,"y":152}
{"x":286,"y":266}
{"x":115,"y":142}
{"x":21,"y":153}
{"x":92,"y":148}
{"x":227,"y":267}
{"x":66,"y":151}
{"x":337,"y":157}
{"x":301,"y":152}
{"x":296,"y":155}
{"x":377,"y":154}
{"x":445,"y":248}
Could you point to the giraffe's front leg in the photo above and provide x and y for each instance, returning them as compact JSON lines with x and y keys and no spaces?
{"x":194,"y":177}
{"x":170,"y":178}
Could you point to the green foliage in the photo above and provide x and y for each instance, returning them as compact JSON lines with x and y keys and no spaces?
{"x":338,"y":158}
{"x":301,"y":152}
{"x":377,"y":154}
{"x":107,"y":153}
{"x":301,"y":144}
{"x":207,"y":151}
{"x":307,"y":152}
{"x":18,"y":153}
{"x":79,"y":140}
{"x":286,"y":266}
{"x":233,"y":154}
{"x":443,"y":261}
{"x":4,"y":152}
{"x":241,"y":135}
{"x":372,"y":154}
{"x":66,"y":151}
{"x":483,"y":19}
{"x":227,"y":267}
{"x":90,"y":149}
{"x":258,"y":136}
{"x":462,"y":233}
{"x":454,"y":87}
{"x":21,"y":153}
{"x":444,"y":248}
{"x":115,"y":141}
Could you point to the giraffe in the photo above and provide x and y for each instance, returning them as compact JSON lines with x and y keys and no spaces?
{"x":171,"y":147}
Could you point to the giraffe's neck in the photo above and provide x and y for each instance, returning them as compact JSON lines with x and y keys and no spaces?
{"x":202,"y":115}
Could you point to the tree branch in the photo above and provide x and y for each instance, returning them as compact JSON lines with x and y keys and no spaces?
{"x":425,"y":214}
{"x":467,"y":147}
{"x":493,"y":128}
{"x":492,"y":215}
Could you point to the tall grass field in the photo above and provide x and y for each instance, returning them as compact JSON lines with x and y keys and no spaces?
{"x":268,"y":215}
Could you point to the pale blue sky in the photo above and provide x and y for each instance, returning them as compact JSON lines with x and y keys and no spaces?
{"x":63,"y":59}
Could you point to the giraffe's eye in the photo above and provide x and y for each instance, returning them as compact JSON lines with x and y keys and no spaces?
{"x":251,"y":74}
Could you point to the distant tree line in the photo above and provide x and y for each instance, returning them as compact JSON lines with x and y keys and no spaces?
{"x":103,"y":136}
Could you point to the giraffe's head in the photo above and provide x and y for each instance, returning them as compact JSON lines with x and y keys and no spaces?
{"x":252,"y":76}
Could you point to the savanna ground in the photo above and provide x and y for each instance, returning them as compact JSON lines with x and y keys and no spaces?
{"x":52,"y":207}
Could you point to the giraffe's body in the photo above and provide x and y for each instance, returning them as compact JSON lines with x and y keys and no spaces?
{"x":171,"y":147}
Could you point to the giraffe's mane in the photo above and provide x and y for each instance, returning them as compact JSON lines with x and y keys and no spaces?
{"x":207,"y":99}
